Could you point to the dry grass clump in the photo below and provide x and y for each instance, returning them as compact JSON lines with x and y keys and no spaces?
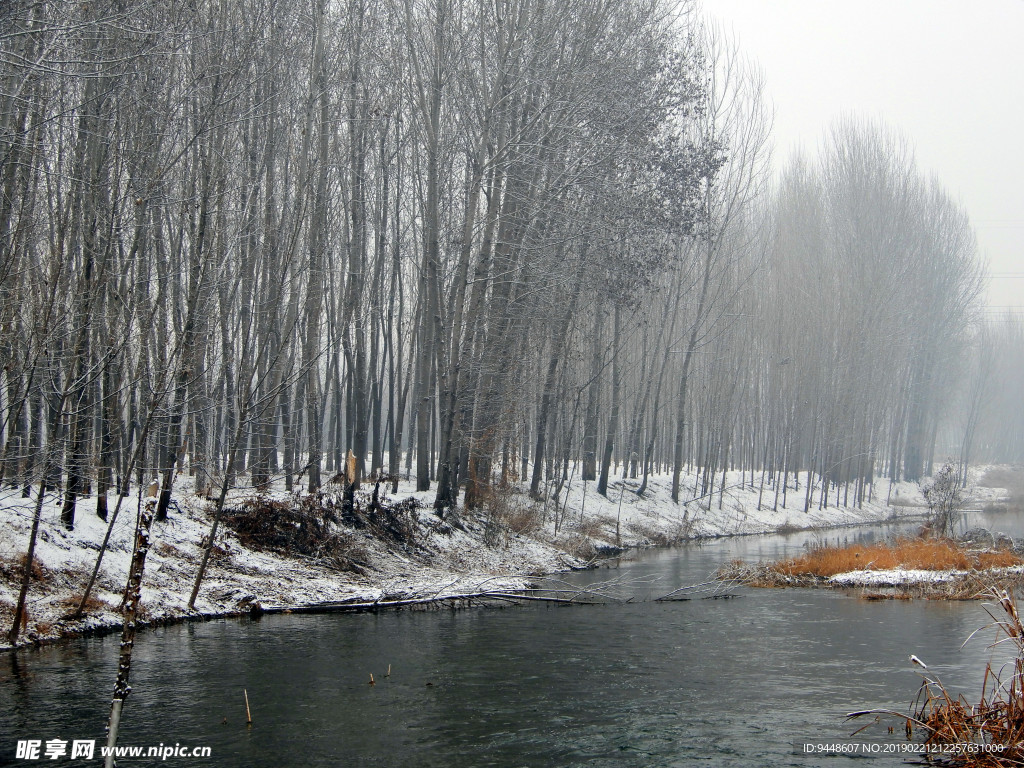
{"x":896,"y":594}
{"x":909,"y":553}
{"x":523,"y":519}
{"x":41,"y":629}
{"x":649,"y":534}
{"x":169,"y":550}
{"x":13,"y":569}
{"x":740,"y":573}
{"x":963,"y":585}
{"x":92,"y":605}
{"x":578,"y":546}
{"x":505,"y":517}
{"x":595,"y":527}
{"x":787,"y":527}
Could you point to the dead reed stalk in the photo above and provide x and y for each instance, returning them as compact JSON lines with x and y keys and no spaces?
{"x":989,"y":734}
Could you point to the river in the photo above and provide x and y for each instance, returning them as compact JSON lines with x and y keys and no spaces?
{"x":732,"y":682}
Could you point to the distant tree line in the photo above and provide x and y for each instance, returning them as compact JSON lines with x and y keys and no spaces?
{"x":989,"y":423}
{"x":471,"y":242}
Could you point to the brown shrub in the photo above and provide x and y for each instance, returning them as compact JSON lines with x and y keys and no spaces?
{"x":579,"y":546}
{"x":1003,"y":558}
{"x":262,"y":523}
{"x":523,"y":519}
{"x":93,"y":604}
{"x":310,"y":527}
{"x":651,"y":535}
{"x":43,"y":628}
{"x":169,"y":550}
{"x":507,"y":516}
{"x":348,"y":555}
{"x":592,"y":527}
{"x":13,"y":569}
{"x":893,"y":595}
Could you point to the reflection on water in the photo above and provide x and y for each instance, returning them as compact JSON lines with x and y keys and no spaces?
{"x":997,"y":519}
{"x":732,"y":682}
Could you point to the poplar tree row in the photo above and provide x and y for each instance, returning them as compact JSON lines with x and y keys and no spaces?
{"x":470,"y":241}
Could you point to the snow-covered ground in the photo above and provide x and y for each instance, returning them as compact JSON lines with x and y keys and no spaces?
{"x":736,"y":511}
{"x":529,"y":539}
{"x":905,"y":577}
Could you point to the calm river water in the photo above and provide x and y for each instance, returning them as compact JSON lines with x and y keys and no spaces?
{"x":705,"y":682}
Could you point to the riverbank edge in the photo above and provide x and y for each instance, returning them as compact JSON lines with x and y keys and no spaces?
{"x":97,"y":626}
{"x":542,"y":552}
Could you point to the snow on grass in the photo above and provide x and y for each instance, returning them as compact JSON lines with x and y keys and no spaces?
{"x":738,"y":507}
{"x":501,"y":548}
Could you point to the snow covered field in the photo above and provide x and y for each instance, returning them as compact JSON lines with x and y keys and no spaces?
{"x":504,"y":550}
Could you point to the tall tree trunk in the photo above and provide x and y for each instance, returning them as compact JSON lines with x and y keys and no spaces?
{"x":558,"y":342}
{"x":593,"y":397}
{"x":613,"y":418}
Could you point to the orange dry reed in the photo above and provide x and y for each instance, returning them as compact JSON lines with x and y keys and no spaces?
{"x":921,"y":554}
{"x":958,"y":734}
{"x":997,"y":721}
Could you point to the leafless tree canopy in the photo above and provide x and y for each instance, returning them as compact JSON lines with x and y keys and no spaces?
{"x":472,"y":242}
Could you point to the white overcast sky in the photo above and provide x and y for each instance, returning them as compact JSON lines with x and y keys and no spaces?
{"x":947,"y":74}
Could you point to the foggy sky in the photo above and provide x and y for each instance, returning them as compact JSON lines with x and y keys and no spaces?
{"x":947,"y":74}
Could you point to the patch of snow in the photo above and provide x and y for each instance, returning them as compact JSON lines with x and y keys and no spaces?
{"x":900,"y":577}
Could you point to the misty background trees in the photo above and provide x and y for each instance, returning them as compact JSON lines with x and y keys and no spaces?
{"x":475,"y":243}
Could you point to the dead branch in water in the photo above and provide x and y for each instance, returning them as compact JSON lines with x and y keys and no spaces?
{"x":706,"y":590}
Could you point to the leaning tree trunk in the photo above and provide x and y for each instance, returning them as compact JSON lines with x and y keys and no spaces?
{"x":133,"y":596}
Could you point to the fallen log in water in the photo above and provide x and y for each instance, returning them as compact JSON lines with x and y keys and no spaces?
{"x":559,"y":592}
{"x":333,"y":607}
{"x":513,"y":596}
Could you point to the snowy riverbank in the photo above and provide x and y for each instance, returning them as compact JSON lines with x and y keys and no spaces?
{"x":503,"y":549}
